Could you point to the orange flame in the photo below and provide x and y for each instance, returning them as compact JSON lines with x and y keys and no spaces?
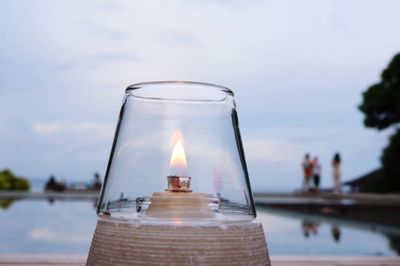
{"x":178,"y":157}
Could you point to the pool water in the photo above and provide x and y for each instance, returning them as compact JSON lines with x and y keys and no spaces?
{"x":301,"y":234}
{"x":67,"y":227}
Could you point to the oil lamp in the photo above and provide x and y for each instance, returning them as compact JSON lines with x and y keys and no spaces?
{"x":176,"y":189}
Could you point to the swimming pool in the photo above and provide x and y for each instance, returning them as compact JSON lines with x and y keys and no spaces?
{"x":40,"y":227}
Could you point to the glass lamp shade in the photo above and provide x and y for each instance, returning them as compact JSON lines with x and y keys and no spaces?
{"x":177,"y":156}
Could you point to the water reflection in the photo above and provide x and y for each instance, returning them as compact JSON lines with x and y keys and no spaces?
{"x":309,"y":228}
{"x":336,"y":233}
{"x":394,"y":241}
{"x":341,"y":233}
{"x":5,"y":203}
{"x":63,"y":226}
{"x":52,"y":201}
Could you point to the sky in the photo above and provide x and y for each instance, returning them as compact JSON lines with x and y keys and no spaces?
{"x":298,"y":70}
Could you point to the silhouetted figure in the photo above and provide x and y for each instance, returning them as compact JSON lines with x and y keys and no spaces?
{"x":336,"y":173}
{"x":53,"y":185}
{"x":96,"y":184}
{"x":307,"y":170}
{"x":335,"y":230}
{"x":316,"y":172}
{"x":51,"y":182}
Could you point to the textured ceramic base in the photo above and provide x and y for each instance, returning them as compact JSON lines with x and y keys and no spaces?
{"x":118,"y":243}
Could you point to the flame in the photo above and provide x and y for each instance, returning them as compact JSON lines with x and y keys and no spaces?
{"x":178,"y":157}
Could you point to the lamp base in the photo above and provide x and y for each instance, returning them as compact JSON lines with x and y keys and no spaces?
{"x":122,"y":243}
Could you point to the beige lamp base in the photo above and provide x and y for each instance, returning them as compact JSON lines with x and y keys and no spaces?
{"x":120,"y":243}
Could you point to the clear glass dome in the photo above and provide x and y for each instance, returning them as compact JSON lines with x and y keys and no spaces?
{"x":177,"y":156}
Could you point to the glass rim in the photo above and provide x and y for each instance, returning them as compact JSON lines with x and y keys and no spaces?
{"x":140,"y":85}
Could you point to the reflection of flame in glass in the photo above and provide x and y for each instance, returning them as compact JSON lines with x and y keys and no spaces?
{"x":178,"y":157}
{"x":217,"y":181}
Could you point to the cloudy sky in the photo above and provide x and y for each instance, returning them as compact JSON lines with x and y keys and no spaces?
{"x":297,"y":68}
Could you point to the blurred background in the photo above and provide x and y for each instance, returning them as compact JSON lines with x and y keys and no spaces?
{"x":298,"y":70}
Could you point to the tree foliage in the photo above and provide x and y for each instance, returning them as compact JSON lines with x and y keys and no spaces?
{"x":381,"y":106}
{"x":381,"y":102}
{"x":8,"y":181}
{"x":391,"y":163}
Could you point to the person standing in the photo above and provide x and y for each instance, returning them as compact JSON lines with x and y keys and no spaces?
{"x":96,"y":183}
{"x":307,"y":170}
{"x":316,"y":173}
{"x":336,"y":173}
